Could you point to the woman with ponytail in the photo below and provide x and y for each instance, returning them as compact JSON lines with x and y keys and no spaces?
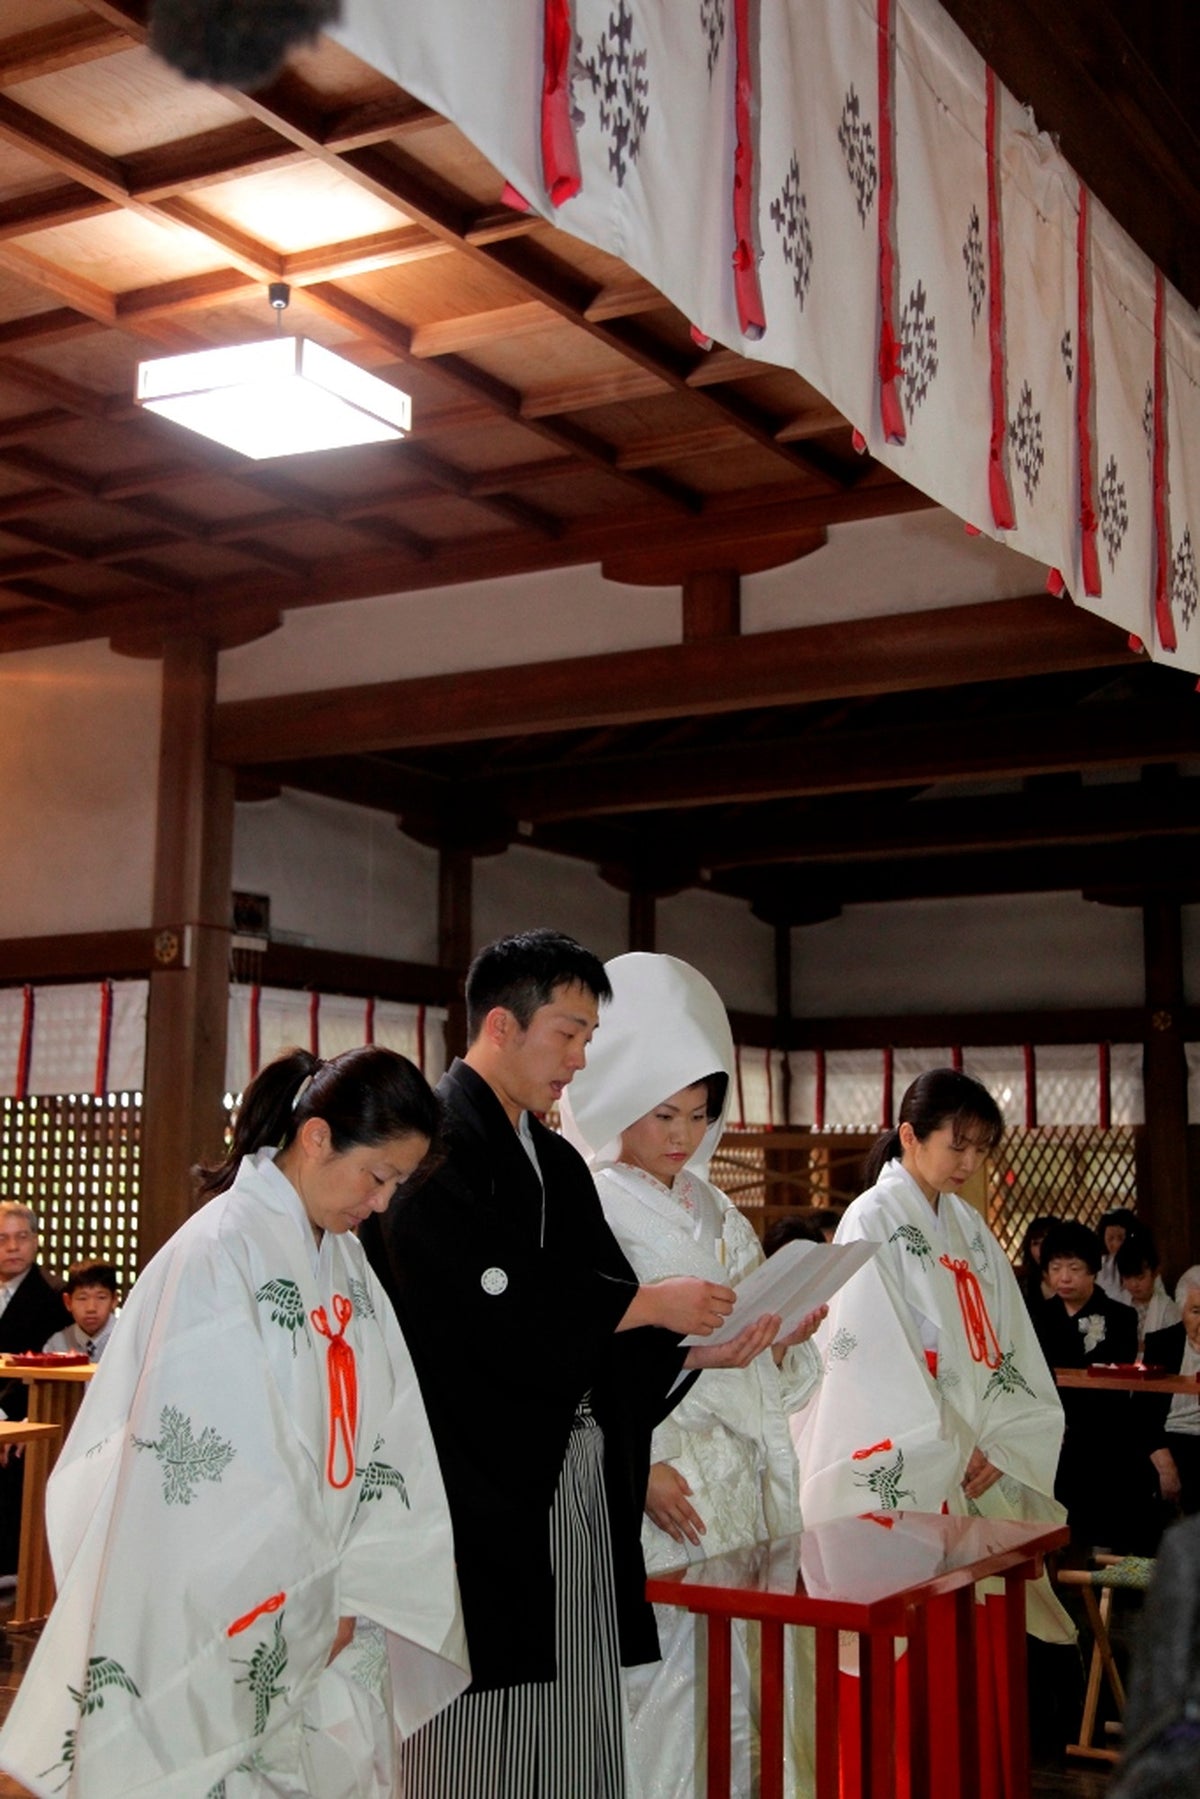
{"x":936,"y":1396}
{"x":249,"y":1531}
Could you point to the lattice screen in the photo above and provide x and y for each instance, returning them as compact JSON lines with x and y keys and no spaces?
{"x":76,"y":1159}
{"x":1069,"y":1171}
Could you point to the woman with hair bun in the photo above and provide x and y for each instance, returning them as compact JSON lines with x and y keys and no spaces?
{"x":936,"y":1394}
{"x":248,"y":1527}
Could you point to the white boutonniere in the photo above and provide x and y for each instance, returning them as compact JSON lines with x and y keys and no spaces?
{"x":1094,"y":1330}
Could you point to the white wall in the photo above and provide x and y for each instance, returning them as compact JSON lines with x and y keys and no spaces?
{"x":338,"y":876}
{"x":525,"y":888}
{"x":723,"y":939}
{"x":79,"y":734}
{"x":1036,"y":951}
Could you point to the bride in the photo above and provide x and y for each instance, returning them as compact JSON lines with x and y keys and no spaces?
{"x":647,"y":1112}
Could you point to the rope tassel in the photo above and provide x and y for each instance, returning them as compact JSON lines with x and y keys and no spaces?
{"x":341,"y":1371}
{"x":982,"y":1340}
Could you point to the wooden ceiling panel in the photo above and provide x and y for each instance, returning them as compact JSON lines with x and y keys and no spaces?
{"x":291,"y":216}
{"x":128,"y":103}
{"x":121,"y":250}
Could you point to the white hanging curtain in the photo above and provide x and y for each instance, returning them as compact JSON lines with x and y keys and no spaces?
{"x":899,"y":233}
{"x":83,"y":1037}
{"x":265,"y":1021}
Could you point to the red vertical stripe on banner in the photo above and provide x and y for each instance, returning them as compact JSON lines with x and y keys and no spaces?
{"x":1104,"y":1074}
{"x":737,"y":1076}
{"x":104,"y":1038}
{"x":369,"y":1023}
{"x":1030,"y":1057}
{"x":314,"y":1024}
{"x":25,"y":1047}
{"x":888,"y":1105}
{"x":254,"y":1043}
{"x":998,"y":488}
{"x":421,"y":1038}
{"x":1164,"y":622}
{"x":890,"y":349}
{"x":770,"y":1092}
{"x":956,"y":1057}
{"x":560,"y":152}
{"x":819,"y":1091}
{"x":751,"y":312}
{"x":1088,"y":553}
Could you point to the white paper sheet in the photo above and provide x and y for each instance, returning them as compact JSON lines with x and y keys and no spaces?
{"x":793,"y":1282}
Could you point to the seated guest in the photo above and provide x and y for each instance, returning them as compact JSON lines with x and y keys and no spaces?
{"x":1105,"y":1490}
{"x":30,"y":1309}
{"x":1115,"y":1226}
{"x":1142,"y":1286}
{"x":1176,"y":1422}
{"x":91,"y":1299}
{"x":1030,"y":1274}
{"x":797,"y":1227}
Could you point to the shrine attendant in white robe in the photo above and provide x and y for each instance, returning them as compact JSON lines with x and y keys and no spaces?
{"x":647,"y":1111}
{"x":248,"y":1526}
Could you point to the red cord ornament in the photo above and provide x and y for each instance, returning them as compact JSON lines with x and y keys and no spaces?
{"x":981,"y":1337}
{"x":342,"y":1373}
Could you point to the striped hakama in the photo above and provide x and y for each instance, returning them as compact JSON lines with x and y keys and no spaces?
{"x":553,"y":1739}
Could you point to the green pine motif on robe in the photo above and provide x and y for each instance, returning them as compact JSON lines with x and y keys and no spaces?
{"x":885,"y":1484}
{"x":265,"y":1665}
{"x":360,"y":1299}
{"x":377,"y":1479}
{"x":1007,"y":1378}
{"x":186,"y":1459}
{"x":102,"y":1671}
{"x":914,"y":1241}
{"x":287,"y":1306}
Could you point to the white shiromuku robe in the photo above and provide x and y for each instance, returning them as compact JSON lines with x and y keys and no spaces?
{"x":251,"y":1463}
{"x":729,"y":1437}
{"x":886,"y":1431}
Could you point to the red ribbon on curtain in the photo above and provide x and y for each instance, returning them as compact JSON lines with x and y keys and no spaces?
{"x":890,"y":347}
{"x":25,"y":1047}
{"x":1163,"y":619}
{"x":1088,"y":553}
{"x":1030,"y":1057}
{"x":369,"y":1023}
{"x":998,"y":485}
{"x":747,"y":289}
{"x":956,"y":1057}
{"x":104,"y":1040}
{"x":1104,"y":1073}
{"x":819,"y":1090}
{"x":888,"y":1106}
{"x":314,"y":1024}
{"x":770,"y":1092}
{"x":421,"y":1038}
{"x":254,"y":1037}
{"x":560,"y":152}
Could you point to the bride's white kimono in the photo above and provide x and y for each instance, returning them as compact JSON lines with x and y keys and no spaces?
{"x":729,"y":1437}
{"x":917,"y":1375}
{"x":251,"y":1463}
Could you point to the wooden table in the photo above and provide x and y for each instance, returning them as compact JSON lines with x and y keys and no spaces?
{"x":887,"y":1576}
{"x":55,"y":1395}
{"x":1127,"y":1383}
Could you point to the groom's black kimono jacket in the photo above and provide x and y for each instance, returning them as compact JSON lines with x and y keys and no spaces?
{"x":511,"y":1315}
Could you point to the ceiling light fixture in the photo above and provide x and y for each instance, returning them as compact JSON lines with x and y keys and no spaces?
{"x":279,"y":397}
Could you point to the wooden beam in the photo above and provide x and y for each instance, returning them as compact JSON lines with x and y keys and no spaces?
{"x":896,"y":653}
{"x":365,"y":977}
{"x":29,"y":55}
{"x":929,"y":1030}
{"x":880,"y":832}
{"x":456,"y":936}
{"x":78,"y":956}
{"x":711,"y":604}
{"x":1167,"y":1201}
{"x":1004,"y":747}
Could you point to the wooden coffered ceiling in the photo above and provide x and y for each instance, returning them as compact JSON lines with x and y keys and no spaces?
{"x":563,"y":416}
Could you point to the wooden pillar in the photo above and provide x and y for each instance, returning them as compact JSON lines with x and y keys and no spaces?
{"x":783,"y":1009}
{"x":643,"y":920}
{"x":184,"y":1120}
{"x":712,"y":604}
{"x":1164,"y":1202}
{"x":455,"y":935}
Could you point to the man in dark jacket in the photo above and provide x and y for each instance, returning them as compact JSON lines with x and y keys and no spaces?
{"x":542,"y":1383}
{"x":31,"y":1310}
